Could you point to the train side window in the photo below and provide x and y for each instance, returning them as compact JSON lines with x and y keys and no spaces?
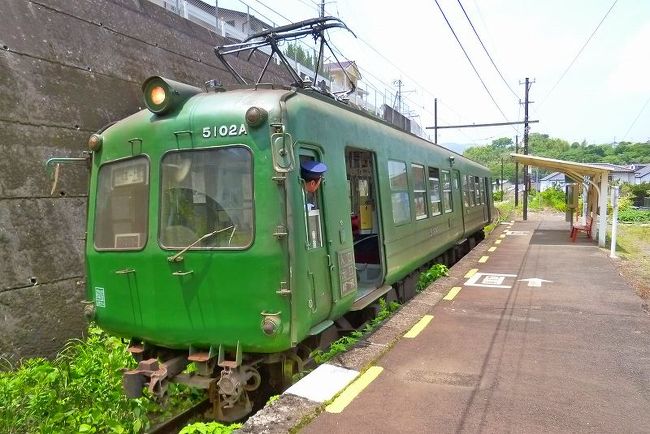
{"x":434,"y":191}
{"x":466,"y":191}
{"x":446,"y":191}
{"x":481,"y":190}
{"x":399,"y":192}
{"x":477,"y":190}
{"x":419,"y":192}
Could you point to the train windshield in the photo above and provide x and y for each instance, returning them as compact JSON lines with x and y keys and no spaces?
{"x":122,"y":205}
{"x":203,"y":191}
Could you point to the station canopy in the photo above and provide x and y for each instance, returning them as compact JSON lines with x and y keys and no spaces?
{"x":595,"y":178}
{"x":575,"y":171}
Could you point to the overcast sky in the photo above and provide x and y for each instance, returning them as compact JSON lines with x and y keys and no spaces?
{"x":597,"y":100}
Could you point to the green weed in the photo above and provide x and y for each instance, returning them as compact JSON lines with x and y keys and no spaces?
{"x":210,"y":428}
{"x":81,"y":391}
{"x":343,"y":344}
{"x":432,"y":274}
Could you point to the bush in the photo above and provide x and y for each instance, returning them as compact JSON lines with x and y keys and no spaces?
{"x":551,"y":197}
{"x":497,"y":196}
{"x":638,"y":192}
{"x":634,"y":216}
{"x":431,"y":275}
{"x":79,"y":391}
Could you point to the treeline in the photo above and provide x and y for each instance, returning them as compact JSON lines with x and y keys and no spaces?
{"x":497,"y":154}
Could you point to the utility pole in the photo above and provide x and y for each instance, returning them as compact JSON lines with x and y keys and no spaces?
{"x":502,"y":198}
{"x":526,"y":127}
{"x":435,"y":121}
{"x":322,"y":8}
{"x":516,"y":172}
{"x":398,"y":95}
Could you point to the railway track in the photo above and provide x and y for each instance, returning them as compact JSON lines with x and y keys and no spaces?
{"x":176,"y":423}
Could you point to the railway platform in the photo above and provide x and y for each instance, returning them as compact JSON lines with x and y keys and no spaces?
{"x":530,"y":333}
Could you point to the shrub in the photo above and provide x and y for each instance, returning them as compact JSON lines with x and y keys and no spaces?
{"x":634,"y":216}
{"x":431,"y":275}
{"x":79,"y":391}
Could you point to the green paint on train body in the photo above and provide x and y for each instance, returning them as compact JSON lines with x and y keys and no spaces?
{"x":159,"y":183}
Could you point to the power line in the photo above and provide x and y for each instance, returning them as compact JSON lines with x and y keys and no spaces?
{"x":470,"y":61}
{"x":635,"y":119}
{"x":486,"y":51}
{"x":579,"y":53}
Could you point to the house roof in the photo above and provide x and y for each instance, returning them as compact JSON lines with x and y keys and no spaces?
{"x":613,"y":167}
{"x":553,"y":176}
{"x":644,"y":171}
{"x":347,"y":64}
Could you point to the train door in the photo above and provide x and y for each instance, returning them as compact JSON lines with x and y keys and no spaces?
{"x":365,"y":221}
{"x":458,"y":195}
{"x":316,"y":247}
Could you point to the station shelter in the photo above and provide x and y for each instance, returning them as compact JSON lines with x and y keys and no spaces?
{"x":590,"y":180}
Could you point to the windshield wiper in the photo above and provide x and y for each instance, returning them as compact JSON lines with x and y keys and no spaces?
{"x":178,"y":256}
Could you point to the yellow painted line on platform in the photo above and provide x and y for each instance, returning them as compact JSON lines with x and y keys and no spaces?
{"x":497,"y":242}
{"x":418,"y":327}
{"x":471,"y":272}
{"x":492,"y":249}
{"x":453,"y":292}
{"x":502,"y":236}
{"x":355,"y":388}
{"x":483,"y":259}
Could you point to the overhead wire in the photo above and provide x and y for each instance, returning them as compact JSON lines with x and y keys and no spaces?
{"x":470,"y":62}
{"x":578,"y":53}
{"x":636,"y":119}
{"x":366,"y":72}
{"x":486,"y":50}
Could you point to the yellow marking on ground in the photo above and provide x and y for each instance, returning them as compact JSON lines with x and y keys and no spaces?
{"x":497,"y":242}
{"x":492,"y":249}
{"x":471,"y":272}
{"x":419,"y":326}
{"x":453,"y":292}
{"x":502,"y":236}
{"x":483,"y":259}
{"x":355,"y":388}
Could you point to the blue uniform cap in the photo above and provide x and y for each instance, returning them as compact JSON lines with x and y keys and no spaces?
{"x":311,"y":169}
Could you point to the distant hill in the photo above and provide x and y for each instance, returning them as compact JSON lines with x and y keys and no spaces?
{"x":456,"y":147}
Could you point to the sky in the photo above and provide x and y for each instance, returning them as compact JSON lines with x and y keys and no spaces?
{"x":603,"y":97}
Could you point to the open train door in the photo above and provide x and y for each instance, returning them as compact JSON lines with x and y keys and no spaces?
{"x":318,"y":257}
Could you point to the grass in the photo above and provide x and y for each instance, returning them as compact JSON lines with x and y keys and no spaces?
{"x":633,"y":247}
{"x":81,"y":391}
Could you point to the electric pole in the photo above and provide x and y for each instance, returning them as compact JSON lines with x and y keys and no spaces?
{"x":398,"y":95}
{"x":516,"y":173}
{"x":526,"y":127}
{"x":435,"y":121}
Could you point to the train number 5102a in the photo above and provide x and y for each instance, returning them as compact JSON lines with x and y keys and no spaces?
{"x":224,"y":131}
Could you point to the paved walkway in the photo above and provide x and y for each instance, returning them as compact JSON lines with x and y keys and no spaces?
{"x":545,"y":336}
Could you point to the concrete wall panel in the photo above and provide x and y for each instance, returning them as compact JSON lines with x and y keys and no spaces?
{"x":67,"y":68}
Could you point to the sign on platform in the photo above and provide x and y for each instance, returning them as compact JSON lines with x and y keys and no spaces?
{"x":491,"y":280}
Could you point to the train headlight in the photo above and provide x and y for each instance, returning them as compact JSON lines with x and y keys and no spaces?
{"x":158,"y":95}
{"x":162,"y":95}
{"x":95,"y":142}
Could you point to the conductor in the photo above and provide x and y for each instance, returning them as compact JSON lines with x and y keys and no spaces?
{"x":312,"y":172}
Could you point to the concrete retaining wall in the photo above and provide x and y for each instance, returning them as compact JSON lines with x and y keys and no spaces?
{"x":66,"y":69}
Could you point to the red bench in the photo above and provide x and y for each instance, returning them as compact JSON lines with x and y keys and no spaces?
{"x":586,"y":228}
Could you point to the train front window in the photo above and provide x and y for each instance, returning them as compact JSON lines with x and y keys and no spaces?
{"x":207,"y":192}
{"x":122,"y":205}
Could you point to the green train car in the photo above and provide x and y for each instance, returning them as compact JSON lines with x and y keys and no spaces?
{"x":203,"y":247}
